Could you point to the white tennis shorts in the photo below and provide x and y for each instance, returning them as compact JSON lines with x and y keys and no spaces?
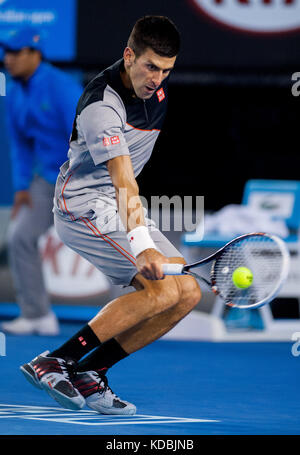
{"x":102,"y":240}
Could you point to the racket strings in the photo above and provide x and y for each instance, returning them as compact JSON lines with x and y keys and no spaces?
{"x":262,"y":256}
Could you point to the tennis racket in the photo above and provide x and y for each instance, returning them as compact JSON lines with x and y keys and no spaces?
{"x":265,"y":255}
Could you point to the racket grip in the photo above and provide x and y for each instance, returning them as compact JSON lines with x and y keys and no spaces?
{"x":172,"y":269}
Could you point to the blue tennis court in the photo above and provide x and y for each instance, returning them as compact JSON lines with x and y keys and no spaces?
{"x":179,"y":388}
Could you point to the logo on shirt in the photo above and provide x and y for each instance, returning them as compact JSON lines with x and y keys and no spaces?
{"x":160,"y":94}
{"x":112,"y":140}
{"x":115,"y":140}
{"x":106,"y":141}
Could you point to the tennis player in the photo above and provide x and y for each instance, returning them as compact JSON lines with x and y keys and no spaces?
{"x":98,"y":213}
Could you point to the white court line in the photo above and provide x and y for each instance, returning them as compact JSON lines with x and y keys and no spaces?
{"x":120,"y":422}
{"x":39,"y":407}
{"x":84,"y":417}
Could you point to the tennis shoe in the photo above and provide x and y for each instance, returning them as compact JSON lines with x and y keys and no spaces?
{"x":93,"y":386}
{"x":54,"y":376}
{"x":45,"y":325}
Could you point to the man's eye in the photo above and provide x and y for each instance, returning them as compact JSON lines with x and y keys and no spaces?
{"x":151,"y":67}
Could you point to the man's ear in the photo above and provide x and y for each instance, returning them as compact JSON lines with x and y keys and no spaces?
{"x":129,"y":56}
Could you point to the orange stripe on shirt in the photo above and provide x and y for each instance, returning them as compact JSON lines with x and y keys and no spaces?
{"x":139,"y":129}
{"x":88,"y":223}
{"x":107,"y":239}
{"x":62,"y":195}
{"x":104,"y":235}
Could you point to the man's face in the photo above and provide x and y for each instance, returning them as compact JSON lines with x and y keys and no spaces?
{"x":146,"y":73}
{"x":19,"y":63}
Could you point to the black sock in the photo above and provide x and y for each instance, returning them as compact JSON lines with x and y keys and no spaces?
{"x":78,"y":346}
{"x":103,"y":357}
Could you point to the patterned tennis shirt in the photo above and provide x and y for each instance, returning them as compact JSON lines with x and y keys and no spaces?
{"x":109,"y":122}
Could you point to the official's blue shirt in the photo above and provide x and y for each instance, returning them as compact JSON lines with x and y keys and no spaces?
{"x":40,"y":117}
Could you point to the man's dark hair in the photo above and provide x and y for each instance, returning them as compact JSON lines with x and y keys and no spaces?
{"x":156,"y":32}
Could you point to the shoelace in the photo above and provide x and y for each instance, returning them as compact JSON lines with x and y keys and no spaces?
{"x":69,"y":368}
{"x":103,"y":379}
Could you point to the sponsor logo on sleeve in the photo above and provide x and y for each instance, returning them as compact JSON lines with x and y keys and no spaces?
{"x":106,"y":141}
{"x":115,"y":140}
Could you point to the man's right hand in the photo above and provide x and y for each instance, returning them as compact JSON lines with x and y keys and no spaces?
{"x":21,"y":198}
{"x":149,"y":264}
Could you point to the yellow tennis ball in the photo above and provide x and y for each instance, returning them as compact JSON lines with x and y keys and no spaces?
{"x":242,"y":277}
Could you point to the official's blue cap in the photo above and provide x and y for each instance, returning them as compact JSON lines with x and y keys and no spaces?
{"x":25,"y":37}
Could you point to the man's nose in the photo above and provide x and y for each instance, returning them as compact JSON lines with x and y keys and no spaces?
{"x":157,"y":78}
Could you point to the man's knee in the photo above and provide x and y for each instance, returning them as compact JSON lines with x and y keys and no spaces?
{"x":162,"y":294}
{"x":190,"y":292}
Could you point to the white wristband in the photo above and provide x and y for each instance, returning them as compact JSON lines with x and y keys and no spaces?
{"x":139,"y":240}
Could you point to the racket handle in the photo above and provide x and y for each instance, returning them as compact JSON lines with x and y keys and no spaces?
{"x":172,"y":269}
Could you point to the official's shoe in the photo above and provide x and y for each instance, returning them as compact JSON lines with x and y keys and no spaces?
{"x":54,"y":375}
{"x":93,"y":386}
{"x":45,"y":325}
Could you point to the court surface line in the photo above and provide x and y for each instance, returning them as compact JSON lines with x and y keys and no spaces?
{"x":81,"y":417}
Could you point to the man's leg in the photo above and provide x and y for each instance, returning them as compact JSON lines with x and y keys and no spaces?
{"x":131,"y":309}
{"x":125,"y":315}
{"x":134,"y":320}
{"x":107,"y":249}
{"x":148,"y":330}
{"x":95,"y":364}
{"x":122,"y":314}
{"x":128,"y":311}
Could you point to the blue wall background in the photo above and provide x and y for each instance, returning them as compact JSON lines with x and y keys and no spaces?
{"x":56,"y":20}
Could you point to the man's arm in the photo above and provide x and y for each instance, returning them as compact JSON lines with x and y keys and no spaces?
{"x":149,"y":260}
{"x":127,"y":192}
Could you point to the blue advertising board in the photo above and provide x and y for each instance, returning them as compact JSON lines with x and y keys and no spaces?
{"x":56,"y":21}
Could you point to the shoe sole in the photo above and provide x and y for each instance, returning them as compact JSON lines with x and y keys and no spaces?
{"x":107,"y":411}
{"x":131,"y":412}
{"x":29,"y":374}
{"x":64,"y":401}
